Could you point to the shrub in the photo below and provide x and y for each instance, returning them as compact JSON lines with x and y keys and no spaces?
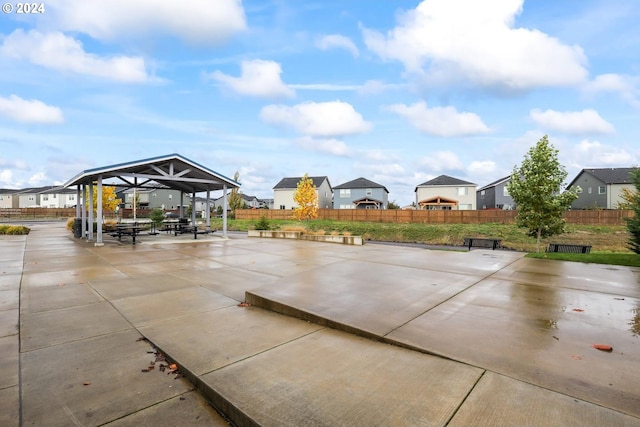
{"x":263,"y":224}
{"x":15,"y":230}
{"x":69,"y":225}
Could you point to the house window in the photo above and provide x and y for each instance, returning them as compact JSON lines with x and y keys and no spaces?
{"x":45,"y":197}
{"x":368,"y":192}
{"x":462,"y":191}
{"x":589,"y":190}
{"x":154,"y":194}
{"x":170,"y":196}
{"x":345,"y":192}
{"x":578,"y":189}
{"x":72,"y":197}
{"x":54,"y":196}
{"x":505,"y":191}
{"x":602,"y":189}
{"x":282,"y":207}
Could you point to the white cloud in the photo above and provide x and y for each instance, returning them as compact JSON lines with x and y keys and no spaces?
{"x":572,"y":122}
{"x":628,"y":87}
{"x":258,"y":78}
{"x":330,"y":87}
{"x":441,"y":161}
{"x":196,"y":21}
{"x":6,"y":176}
{"x":325,"y":119}
{"x":62,"y":53}
{"x":337,"y":41}
{"x":38,"y":178}
{"x":331,"y":146}
{"x":32,"y":111}
{"x":594,"y":154}
{"x":481,"y":167}
{"x":441,"y":121}
{"x":476,"y":41}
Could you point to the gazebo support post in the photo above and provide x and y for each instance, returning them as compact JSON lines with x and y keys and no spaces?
{"x":99,"y":213}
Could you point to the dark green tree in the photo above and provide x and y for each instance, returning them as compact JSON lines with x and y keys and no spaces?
{"x":633,"y":224}
{"x":536,"y":188}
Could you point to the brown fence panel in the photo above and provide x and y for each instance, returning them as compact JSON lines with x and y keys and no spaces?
{"x":582,"y":217}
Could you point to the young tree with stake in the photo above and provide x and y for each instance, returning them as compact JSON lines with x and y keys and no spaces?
{"x":536,"y":188}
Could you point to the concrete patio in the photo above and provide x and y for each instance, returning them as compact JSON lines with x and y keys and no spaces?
{"x":334,"y":335}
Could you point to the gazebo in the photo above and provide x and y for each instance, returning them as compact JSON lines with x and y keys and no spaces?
{"x":173,"y":171}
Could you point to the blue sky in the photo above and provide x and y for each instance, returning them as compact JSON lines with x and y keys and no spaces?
{"x":398,"y":92}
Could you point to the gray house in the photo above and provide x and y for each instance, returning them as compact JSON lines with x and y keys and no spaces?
{"x":284,"y":190}
{"x":600,"y":188}
{"x":154,"y":198}
{"x":495,"y":195}
{"x":360,"y":194}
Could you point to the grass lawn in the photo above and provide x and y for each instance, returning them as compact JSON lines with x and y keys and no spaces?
{"x":629,"y":259}
{"x":611,"y":239}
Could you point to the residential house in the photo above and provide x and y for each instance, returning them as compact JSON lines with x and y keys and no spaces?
{"x":31,"y":197}
{"x":600,"y":188}
{"x":446,"y":193}
{"x":360,"y":194}
{"x":250,"y":202}
{"x":283,"y":192}
{"x":154,"y":198}
{"x":495,"y":195}
{"x":58,"y":197}
{"x":9,"y":198}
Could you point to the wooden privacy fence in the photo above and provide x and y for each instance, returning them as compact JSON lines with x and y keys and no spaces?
{"x":591,"y":217}
{"x":42,"y":213}
{"x":586,"y":217}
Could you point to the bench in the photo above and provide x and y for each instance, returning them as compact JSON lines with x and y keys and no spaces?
{"x":126,"y":230}
{"x":572,"y":249}
{"x":482,"y":242}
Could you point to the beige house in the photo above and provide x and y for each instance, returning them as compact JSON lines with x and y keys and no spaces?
{"x":446,"y":193}
{"x":283,"y":192}
{"x":9,"y":198}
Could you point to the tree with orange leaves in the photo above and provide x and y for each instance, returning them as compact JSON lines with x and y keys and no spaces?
{"x":306,"y":196}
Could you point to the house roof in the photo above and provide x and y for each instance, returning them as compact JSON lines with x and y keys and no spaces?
{"x":9,"y":190}
{"x":444,"y":180}
{"x":496,"y":182}
{"x":58,"y":190}
{"x":36,"y":190}
{"x":288,"y":183}
{"x":607,"y":175}
{"x":367,"y":200}
{"x":360,"y":183}
{"x":173,"y":170}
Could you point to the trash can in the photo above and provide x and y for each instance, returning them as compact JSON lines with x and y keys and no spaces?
{"x":77,"y":228}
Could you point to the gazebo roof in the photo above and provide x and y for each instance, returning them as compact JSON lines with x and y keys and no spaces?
{"x":172,"y":170}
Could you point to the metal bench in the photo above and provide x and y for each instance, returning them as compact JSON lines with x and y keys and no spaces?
{"x":572,"y":249}
{"x":482,"y":242}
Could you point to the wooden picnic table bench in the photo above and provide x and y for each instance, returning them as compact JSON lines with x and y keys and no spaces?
{"x":127,"y":230}
{"x":566,"y":248}
{"x":482,"y":242}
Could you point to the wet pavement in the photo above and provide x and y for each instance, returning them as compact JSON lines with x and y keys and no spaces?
{"x":334,"y":335}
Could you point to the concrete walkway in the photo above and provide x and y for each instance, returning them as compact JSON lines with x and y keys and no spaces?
{"x":334,"y":335}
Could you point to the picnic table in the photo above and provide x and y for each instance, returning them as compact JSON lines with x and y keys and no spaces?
{"x":127,"y":229}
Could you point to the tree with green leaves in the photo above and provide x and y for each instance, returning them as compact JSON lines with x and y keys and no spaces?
{"x":235,"y":198}
{"x":306,"y":196}
{"x":536,"y":189}
{"x":393,"y":205}
{"x":633,"y":224}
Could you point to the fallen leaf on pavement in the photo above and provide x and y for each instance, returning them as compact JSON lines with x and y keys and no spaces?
{"x":603,"y":347}
{"x":579,"y":310}
{"x":576,"y":357}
